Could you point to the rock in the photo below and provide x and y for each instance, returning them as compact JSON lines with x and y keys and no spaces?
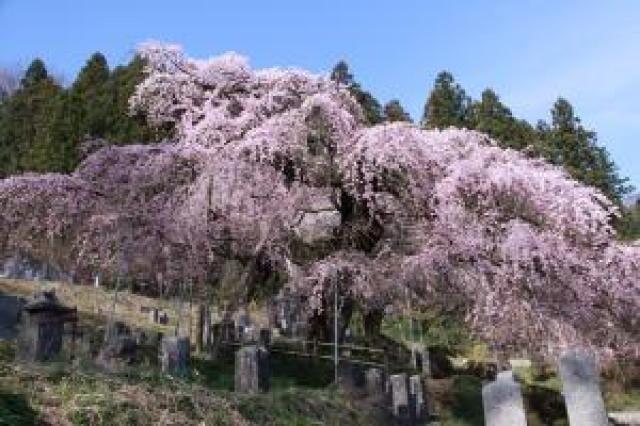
{"x":374,"y":382}
{"x":10,"y":308}
{"x":581,"y":389}
{"x":252,"y":370}
{"x":520,"y":363}
{"x":175,"y":355}
{"x":265,"y":337}
{"x":625,"y":418}
{"x":399,"y":397}
{"x":118,"y":352}
{"x":154,"y":315}
{"x":42,"y":329}
{"x":502,"y":402}
{"x":318,"y":219}
{"x":416,"y":399}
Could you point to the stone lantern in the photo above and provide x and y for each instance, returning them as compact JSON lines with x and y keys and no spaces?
{"x":42,"y":328}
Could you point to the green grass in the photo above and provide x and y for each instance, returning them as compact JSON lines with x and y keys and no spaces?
{"x":59,"y":393}
{"x":463,"y":402}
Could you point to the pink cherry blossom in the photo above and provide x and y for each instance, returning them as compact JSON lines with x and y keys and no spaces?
{"x":526,"y":255}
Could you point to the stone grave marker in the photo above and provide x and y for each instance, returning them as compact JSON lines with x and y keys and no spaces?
{"x":265,"y":337}
{"x":252,"y":373}
{"x":416,"y":399}
{"x":10,"y":308}
{"x":502,"y":402}
{"x":581,"y":389}
{"x":42,"y":329}
{"x":154,"y":315}
{"x":119,"y":348}
{"x":374,"y":382}
{"x":399,"y":398}
{"x":175,"y":355}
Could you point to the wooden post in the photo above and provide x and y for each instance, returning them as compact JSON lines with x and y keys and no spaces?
{"x":200,"y":328}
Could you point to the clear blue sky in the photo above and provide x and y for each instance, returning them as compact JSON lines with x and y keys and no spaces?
{"x":530,"y":52}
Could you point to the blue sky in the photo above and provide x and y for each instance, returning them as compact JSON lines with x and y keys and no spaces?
{"x":530,"y":52}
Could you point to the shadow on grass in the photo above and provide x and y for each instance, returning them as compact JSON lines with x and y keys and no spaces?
{"x":544,"y":406}
{"x":286,"y":371}
{"x":15,"y":410}
{"x":466,"y":401}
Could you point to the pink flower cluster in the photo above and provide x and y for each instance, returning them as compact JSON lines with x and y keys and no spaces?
{"x":521,"y":251}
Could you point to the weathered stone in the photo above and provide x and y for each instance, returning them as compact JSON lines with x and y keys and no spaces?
{"x":399,"y":397}
{"x":416,"y":399}
{"x":351,"y":375}
{"x":625,"y":418}
{"x":42,"y":329}
{"x":374,"y":382}
{"x":581,"y":389}
{"x":119,"y":348}
{"x":420,"y":360}
{"x":520,"y":363}
{"x":118,"y":352}
{"x":10,"y":308}
{"x":252,"y":373}
{"x":154,"y":315}
{"x":206,"y":327}
{"x":228,"y":330}
{"x":318,"y":226}
{"x":502,"y":402}
{"x":174,"y":355}
{"x":265,"y":337}
{"x":250,"y":335}
{"x":318,"y":219}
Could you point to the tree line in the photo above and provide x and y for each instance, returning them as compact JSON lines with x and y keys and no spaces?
{"x":43,"y":124}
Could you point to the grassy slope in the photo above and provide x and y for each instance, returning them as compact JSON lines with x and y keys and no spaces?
{"x":63,"y":393}
{"x":300,"y":393}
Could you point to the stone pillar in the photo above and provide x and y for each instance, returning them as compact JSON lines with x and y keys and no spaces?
{"x":581,"y":389}
{"x":250,"y":335}
{"x":174,"y":355}
{"x":399,"y":398}
{"x":502,"y":401}
{"x":154,"y":316}
{"x":228,"y":329}
{"x":252,"y":370}
{"x":202,"y":319}
{"x":374,"y":382}
{"x":206,"y":327}
{"x":216,"y":331}
{"x":416,"y":399}
{"x":265,"y":338}
{"x":425,"y":361}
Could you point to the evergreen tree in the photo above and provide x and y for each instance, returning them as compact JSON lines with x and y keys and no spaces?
{"x":123,"y":127}
{"x":370,"y":105}
{"x":491,"y":116}
{"x":90,"y":98}
{"x":629,"y":224}
{"x":393,"y":111}
{"x":447,"y":105}
{"x":36,"y":73}
{"x":568,"y":143}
